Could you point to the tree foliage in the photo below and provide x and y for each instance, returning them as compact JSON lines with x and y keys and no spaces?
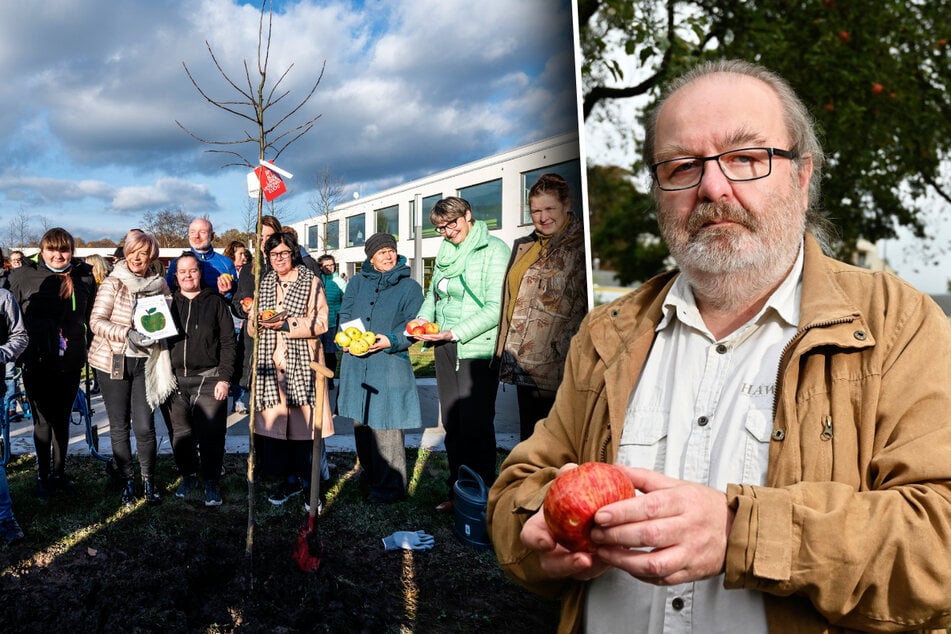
{"x":623,"y":224}
{"x":168,"y":226}
{"x":875,"y":75}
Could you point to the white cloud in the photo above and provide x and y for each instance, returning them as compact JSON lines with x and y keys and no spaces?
{"x":91,"y":94}
{"x":164,"y":193}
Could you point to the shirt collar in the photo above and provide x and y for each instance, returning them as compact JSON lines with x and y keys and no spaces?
{"x":680,"y":302}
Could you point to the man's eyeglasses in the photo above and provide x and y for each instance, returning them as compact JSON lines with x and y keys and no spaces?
{"x":451,"y":225}
{"x":279,"y":255}
{"x":745,"y":164}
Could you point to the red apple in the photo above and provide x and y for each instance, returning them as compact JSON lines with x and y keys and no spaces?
{"x":877,"y":88}
{"x":576,"y":495}
{"x":417,"y":330}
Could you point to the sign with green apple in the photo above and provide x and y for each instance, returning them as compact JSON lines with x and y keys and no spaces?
{"x":152,"y":317}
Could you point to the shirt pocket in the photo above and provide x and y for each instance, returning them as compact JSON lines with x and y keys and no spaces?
{"x":644,"y":441}
{"x":759,"y":428}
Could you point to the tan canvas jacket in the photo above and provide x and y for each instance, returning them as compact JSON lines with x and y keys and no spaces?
{"x":853,"y":530}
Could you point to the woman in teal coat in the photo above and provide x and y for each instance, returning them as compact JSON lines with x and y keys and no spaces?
{"x":465,"y":299}
{"x":378,"y":389}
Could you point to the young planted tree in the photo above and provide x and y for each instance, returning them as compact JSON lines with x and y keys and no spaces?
{"x":259,"y":101}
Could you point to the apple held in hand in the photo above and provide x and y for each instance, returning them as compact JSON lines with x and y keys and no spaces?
{"x":576,"y":495}
{"x":342,"y":339}
{"x":358,"y":347}
{"x":416,"y":327}
{"x":431,"y":328}
{"x":247,"y":303}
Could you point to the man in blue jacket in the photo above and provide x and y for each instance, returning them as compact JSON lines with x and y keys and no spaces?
{"x":217,"y":270}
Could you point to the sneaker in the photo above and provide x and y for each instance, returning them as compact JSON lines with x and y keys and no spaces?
{"x":320,"y":507}
{"x":10,"y":531}
{"x":128,"y":493}
{"x":239,"y":408}
{"x":283,"y":492}
{"x":188,"y":484}
{"x":212,"y":494}
{"x":43,"y":488}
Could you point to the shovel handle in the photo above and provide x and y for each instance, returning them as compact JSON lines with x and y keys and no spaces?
{"x":323,"y":373}
{"x":322,"y":370}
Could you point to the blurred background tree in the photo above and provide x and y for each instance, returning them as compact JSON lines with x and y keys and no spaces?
{"x":876,"y":76}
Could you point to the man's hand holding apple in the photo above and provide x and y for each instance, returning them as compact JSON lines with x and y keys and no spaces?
{"x":556,"y":560}
{"x":225,"y":282}
{"x":672,"y":532}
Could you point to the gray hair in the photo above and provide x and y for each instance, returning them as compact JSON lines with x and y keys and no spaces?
{"x":800,"y":125}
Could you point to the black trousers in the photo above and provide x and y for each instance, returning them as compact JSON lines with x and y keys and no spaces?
{"x":467,"y":390}
{"x":51,"y":393}
{"x":534,"y":404}
{"x":199,"y":422}
{"x":129,"y":411}
{"x":382,"y":455}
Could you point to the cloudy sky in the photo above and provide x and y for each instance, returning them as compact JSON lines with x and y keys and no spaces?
{"x":92,"y":90}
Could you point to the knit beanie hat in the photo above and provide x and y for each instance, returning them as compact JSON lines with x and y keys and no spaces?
{"x":378,"y":241}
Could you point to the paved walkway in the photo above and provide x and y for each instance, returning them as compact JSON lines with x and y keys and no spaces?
{"x":429,"y":436}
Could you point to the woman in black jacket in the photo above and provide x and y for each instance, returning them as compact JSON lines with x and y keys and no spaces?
{"x":56,"y":295}
{"x":203,"y":358}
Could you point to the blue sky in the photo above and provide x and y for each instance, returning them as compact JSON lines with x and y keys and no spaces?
{"x":93,"y":88}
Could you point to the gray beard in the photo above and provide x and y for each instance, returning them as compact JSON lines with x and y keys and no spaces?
{"x":730,"y":267}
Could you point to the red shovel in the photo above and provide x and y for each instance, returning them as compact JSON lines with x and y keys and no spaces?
{"x":309,"y":548}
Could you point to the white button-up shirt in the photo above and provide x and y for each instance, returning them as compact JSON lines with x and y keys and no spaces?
{"x":702,"y":411}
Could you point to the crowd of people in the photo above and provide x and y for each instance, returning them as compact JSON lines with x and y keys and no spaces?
{"x":62,"y":313}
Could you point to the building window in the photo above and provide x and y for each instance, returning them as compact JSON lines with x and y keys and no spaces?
{"x":388,"y":221}
{"x":356,"y":230}
{"x":412,"y":219}
{"x":313,"y":237}
{"x":569,"y":170}
{"x":486,"y":202}
{"x":332,"y":239}
{"x":428,"y":203}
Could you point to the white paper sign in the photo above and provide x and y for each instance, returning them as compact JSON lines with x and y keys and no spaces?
{"x":152,"y":317}
{"x":356,"y":323}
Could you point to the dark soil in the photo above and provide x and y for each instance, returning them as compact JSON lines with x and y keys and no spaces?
{"x":89,"y":566}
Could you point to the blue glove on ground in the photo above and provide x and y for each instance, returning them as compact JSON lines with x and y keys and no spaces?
{"x":409,"y":540}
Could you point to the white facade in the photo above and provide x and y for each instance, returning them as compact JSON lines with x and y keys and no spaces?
{"x":513,"y":172}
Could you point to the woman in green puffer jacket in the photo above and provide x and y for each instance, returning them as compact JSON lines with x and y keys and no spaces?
{"x":464,"y":298}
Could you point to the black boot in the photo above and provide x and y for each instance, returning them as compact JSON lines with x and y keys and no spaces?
{"x":128,"y":493}
{"x":149,"y":491}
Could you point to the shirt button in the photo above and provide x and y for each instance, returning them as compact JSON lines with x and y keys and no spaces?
{"x":677,"y":603}
{"x":702,"y":421}
{"x":721,"y":348}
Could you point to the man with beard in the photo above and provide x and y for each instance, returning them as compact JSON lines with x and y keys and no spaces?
{"x":217,"y":270}
{"x":782,"y":415}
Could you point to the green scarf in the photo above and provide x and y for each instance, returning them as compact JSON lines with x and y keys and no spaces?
{"x":451,"y":260}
